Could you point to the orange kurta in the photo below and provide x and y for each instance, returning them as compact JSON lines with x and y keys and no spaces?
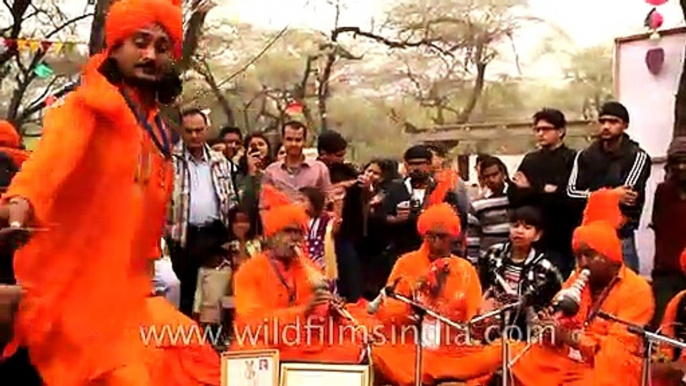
{"x":667,"y":328}
{"x":179,"y":360}
{"x":609,"y":354}
{"x":265,"y":317}
{"x":101,"y":187}
{"x":460,"y":300}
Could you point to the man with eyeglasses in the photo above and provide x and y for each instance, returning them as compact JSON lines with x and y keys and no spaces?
{"x":541,"y":181}
{"x":614,"y":161}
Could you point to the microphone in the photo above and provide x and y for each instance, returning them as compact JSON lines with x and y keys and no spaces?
{"x":568,"y":300}
{"x":374,"y":305}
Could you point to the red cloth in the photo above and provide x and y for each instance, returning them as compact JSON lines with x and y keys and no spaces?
{"x":669,"y":221}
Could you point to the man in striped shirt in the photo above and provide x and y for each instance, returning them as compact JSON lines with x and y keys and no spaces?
{"x":613,"y":160}
{"x":489,"y":221}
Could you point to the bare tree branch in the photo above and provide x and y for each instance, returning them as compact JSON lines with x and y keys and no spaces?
{"x":17,"y":10}
{"x":257,"y":57}
{"x":29,"y":75}
{"x":96,"y":43}
{"x":193,"y":32}
{"x":425,"y":42}
{"x":203,"y":68}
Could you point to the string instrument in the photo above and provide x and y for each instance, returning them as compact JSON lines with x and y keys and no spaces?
{"x":338,"y":305}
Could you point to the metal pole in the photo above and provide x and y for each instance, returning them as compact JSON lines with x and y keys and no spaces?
{"x":504,"y":315}
{"x":418,"y":350}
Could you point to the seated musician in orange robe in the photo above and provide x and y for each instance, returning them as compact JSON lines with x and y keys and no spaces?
{"x":10,"y":143}
{"x":282,"y":299}
{"x":670,"y":370}
{"x":98,"y":187}
{"x":449,"y":286}
{"x":589,"y":350}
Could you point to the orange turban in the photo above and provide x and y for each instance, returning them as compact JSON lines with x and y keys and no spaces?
{"x":439,"y":216}
{"x":128,"y":16}
{"x":8,"y":135}
{"x":10,"y":143}
{"x":598,"y":230}
{"x":279,"y":213}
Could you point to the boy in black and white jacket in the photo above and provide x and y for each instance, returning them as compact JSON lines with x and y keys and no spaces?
{"x":515,"y":271}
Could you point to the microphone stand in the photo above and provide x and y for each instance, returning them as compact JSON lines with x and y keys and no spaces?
{"x":504,"y":313}
{"x":420,"y":311}
{"x":648,"y":339}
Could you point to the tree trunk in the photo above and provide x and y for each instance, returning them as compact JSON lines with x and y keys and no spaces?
{"x":680,"y":104}
{"x":96,"y":42}
{"x":17,"y":10}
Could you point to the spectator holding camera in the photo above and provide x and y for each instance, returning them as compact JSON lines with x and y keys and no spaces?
{"x":257,"y":157}
{"x":406,"y":198}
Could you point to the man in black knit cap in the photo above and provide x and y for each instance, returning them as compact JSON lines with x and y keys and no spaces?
{"x":615,"y":161}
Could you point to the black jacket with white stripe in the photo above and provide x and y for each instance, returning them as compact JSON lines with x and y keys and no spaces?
{"x":594,"y":168}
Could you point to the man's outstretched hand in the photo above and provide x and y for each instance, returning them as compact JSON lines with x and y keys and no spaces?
{"x":14,"y":215}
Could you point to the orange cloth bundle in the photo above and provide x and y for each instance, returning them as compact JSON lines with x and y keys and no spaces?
{"x":598,"y":230}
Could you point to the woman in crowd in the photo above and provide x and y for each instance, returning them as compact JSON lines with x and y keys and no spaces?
{"x":258,"y":155}
{"x":280,"y":152}
{"x":376,"y":266}
{"x":323,"y":225}
{"x":245,"y":242}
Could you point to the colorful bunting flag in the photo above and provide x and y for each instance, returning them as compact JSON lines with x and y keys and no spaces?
{"x":43,"y":70}
{"x":33,"y":45}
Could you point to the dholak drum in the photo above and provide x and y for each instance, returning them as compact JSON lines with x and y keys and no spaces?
{"x":9,"y":301}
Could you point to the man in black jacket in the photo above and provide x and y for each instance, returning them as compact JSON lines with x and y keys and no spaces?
{"x":406,"y":199}
{"x":614,"y":161}
{"x":542,"y":180}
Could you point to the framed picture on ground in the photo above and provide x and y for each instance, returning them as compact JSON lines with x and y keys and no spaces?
{"x":250,"y":368}
{"x":315,"y":374}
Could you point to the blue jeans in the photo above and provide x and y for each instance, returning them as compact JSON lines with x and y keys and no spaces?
{"x":630,"y":253}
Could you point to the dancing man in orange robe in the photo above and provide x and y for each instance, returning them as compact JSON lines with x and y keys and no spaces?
{"x":449,"y":286}
{"x":96,"y":190}
{"x":588,"y":350}
{"x":282,"y":299}
{"x":671,"y":370}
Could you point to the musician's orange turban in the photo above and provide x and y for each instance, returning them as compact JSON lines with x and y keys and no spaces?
{"x":439,"y":217}
{"x":10,"y":142}
{"x":279,"y":213}
{"x":128,"y":16}
{"x":598,"y":230}
{"x":8,"y":135}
